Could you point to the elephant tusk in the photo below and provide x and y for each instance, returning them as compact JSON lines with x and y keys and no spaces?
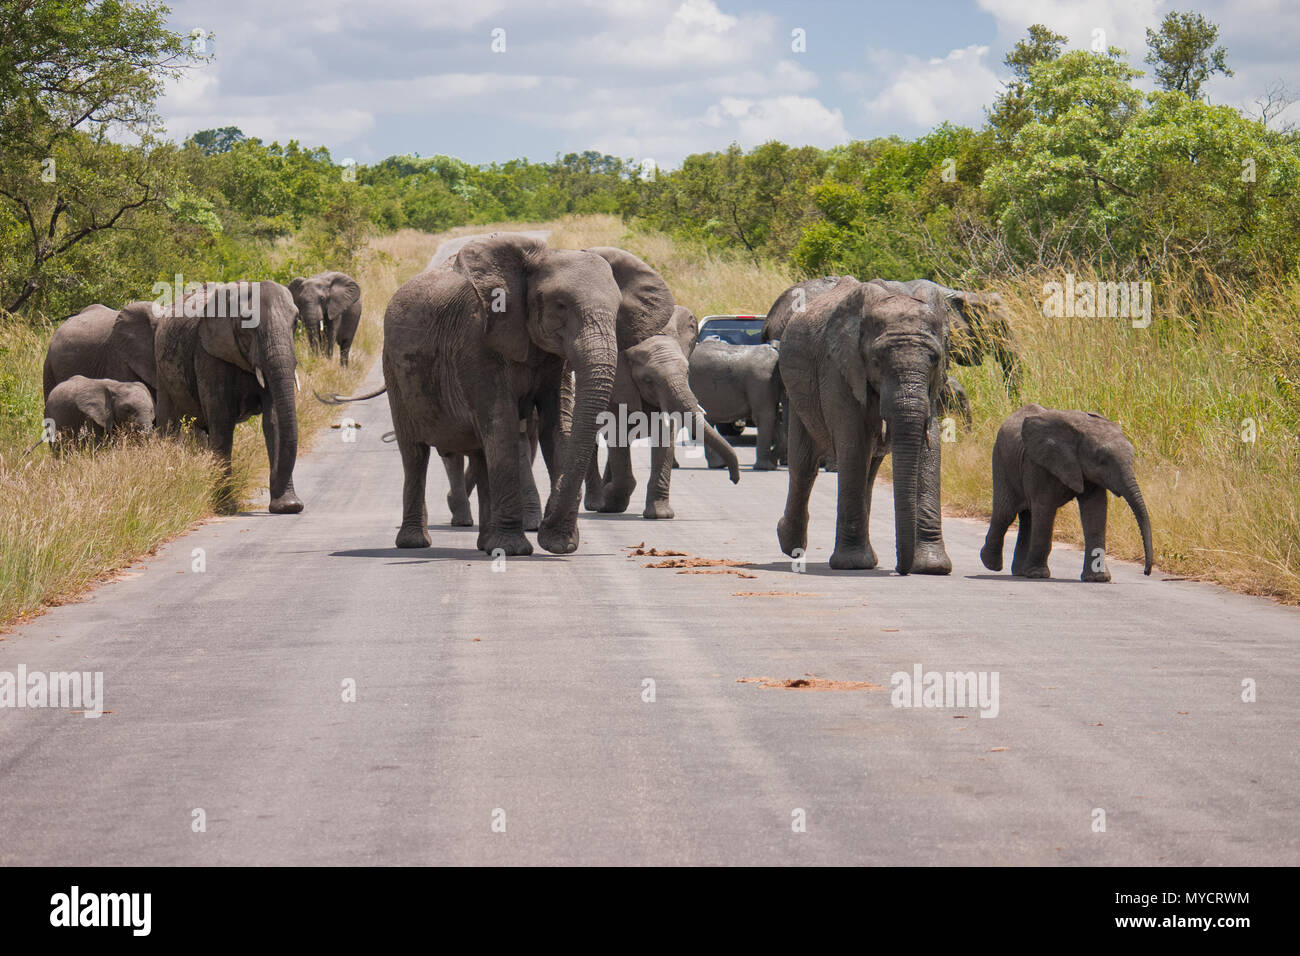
{"x":260,"y":381}
{"x":297,"y":386}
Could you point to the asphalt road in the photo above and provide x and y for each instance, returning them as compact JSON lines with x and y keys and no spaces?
{"x":518,"y":698}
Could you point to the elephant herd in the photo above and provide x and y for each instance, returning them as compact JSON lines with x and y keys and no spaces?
{"x":512,"y":347}
{"x":215,"y":355}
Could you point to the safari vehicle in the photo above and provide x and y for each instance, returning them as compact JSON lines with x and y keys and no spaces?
{"x":733,"y":329}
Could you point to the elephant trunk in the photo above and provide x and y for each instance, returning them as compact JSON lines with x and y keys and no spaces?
{"x":907,"y":431}
{"x":1132,"y":494}
{"x":682,"y":400}
{"x":594,"y":359}
{"x":278,"y":371}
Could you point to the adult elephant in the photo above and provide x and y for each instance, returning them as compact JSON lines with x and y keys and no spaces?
{"x":224,"y":354}
{"x":99,"y":342}
{"x":471,"y":349}
{"x":655,"y":340}
{"x":863,"y":364}
{"x":737,"y":382}
{"x":329,"y":305}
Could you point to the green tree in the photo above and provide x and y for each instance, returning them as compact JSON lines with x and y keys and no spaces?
{"x":1183,"y":53}
{"x":213,"y":141}
{"x":1010,"y":110}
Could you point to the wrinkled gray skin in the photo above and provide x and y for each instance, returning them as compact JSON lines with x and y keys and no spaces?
{"x":214,"y":370}
{"x":954,"y":401}
{"x":735,"y":382}
{"x":329,"y":306}
{"x":99,"y":342}
{"x":655,"y":337}
{"x":471,"y":349}
{"x":1042,"y":459}
{"x":863,"y":364}
{"x":98,"y":407}
{"x":462,"y":480}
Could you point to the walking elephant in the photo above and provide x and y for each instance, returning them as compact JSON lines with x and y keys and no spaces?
{"x":471,"y":349}
{"x":735,"y":382}
{"x":462,"y":479}
{"x":655,"y":338}
{"x":863,"y":364}
{"x":329,"y":305}
{"x":1043,"y":458}
{"x":99,"y":342}
{"x":224,"y":354}
{"x":97,"y":407}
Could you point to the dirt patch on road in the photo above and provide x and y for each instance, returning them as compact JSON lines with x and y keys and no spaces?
{"x":739,"y":574}
{"x":641,"y":550}
{"x":687,"y":562}
{"x":809,"y":682}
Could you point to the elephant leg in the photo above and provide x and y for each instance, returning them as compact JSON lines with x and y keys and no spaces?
{"x":503,"y":526}
{"x":594,"y":500}
{"x":661,"y":477}
{"x":288,"y":503}
{"x":532,"y":502}
{"x":991,"y":553}
{"x":931,"y":557}
{"x":548,"y":435}
{"x":476,"y":476}
{"x":620,"y":482}
{"x":1042,"y":521}
{"x":415,"y":519}
{"x":852,"y":549}
{"x":782,"y":429}
{"x":1024,"y":530}
{"x":792,"y":529}
{"x":327,"y":338}
{"x":1092,"y":515}
{"x":458,"y":491}
{"x":764,"y":453}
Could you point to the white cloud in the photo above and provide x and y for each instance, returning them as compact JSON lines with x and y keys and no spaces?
{"x":796,"y":120}
{"x":785,"y":77}
{"x":923,"y":93}
{"x":1124,"y":22}
{"x":696,"y":35}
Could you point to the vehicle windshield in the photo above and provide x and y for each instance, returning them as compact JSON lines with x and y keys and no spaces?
{"x":748,"y":331}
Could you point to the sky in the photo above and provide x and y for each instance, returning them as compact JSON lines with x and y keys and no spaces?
{"x":493,"y":80}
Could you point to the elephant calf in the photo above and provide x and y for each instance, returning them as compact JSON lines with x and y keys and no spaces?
{"x":1041,"y":459}
{"x":98,"y":407}
{"x":735,"y":382}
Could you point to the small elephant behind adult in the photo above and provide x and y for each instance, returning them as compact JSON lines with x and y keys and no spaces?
{"x":329,"y":305}
{"x":953,"y":399}
{"x":1043,"y":458}
{"x":463,"y":478}
{"x":735,"y":382}
{"x":96,"y":408}
{"x":100,"y":342}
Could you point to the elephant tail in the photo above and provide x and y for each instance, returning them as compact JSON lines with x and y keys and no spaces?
{"x":345,"y":399}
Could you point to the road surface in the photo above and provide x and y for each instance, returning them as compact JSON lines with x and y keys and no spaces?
{"x":505,"y":716}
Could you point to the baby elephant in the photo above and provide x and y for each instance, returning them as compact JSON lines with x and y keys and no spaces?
{"x":1044,"y":457}
{"x":99,"y":406}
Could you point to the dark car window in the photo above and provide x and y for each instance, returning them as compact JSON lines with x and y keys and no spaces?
{"x":734,"y":331}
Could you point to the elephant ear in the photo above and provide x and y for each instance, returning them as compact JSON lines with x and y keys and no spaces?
{"x":295,"y":287}
{"x":845,"y":329}
{"x":344,"y":293}
{"x":1052,"y":444}
{"x":647,"y":305}
{"x":221,"y":337}
{"x":132,"y":338}
{"x":499,"y":268}
{"x":684,"y":328}
{"x":98,"y":411}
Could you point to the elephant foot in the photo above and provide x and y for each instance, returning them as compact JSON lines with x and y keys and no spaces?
{"x":558,"y":540}
{"x":764,"y":465}
{"x":286,"y":504}
{"x":990,"y":558}
{"x":594,"y":501}
{"x":616,"y":500}
{"x":1039,"y":572}
{"x":461,"y":517}
{"x":510,"y":543}
{"x":412,"y":537}
{"x":1090,"y":575}
{"x":861,"y":558}
{"x":532,"y":520}
{"x":658,"y":509}
{"x":931,"y":558}
{"x":792,"y":537}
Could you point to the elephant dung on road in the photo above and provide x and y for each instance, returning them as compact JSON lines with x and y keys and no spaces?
{"x":863,"y":364}
{"x":224,"y":354}
{"x":98,"y":407}
{"x":99,"y":342}
{"x":735,"y":382}
{"x":329,"y":305}
{"x":1043,"y":458}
